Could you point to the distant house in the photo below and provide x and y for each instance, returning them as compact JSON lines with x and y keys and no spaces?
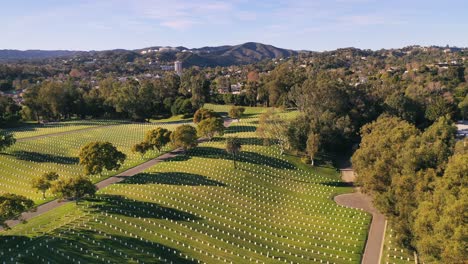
{"x":167,"y":67}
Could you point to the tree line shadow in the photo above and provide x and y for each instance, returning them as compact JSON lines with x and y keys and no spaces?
{"x":171,"y":178}
{"x":120,"y":205}
{"x":43,"y":157}
{"x":123,"y":248}
{"x":243,"y":156}
{"x":239,"y":129}
{"x":244,"y":141}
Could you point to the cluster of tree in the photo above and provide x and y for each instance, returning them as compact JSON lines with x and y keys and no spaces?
{"x":209,"y":123}
{"x":6,"y":140}
{"x":97,"y":156}
{"x":64,"y":188}
{"x":10,"y":112}
{"x":12,"y":205}
{"x":154,"y":139}
{"x":419,"y":181}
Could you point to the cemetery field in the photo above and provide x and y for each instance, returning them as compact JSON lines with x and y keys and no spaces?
{"x":196,"y":208}
{"x":31,"y":157}
{"x":392,"y":252}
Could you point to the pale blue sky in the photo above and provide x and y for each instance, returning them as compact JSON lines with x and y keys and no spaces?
{"x":296,"y":24}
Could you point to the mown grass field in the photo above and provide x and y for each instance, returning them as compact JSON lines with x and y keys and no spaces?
{"x":393,"y":253}
{"x":55,"y":151}
{"x":198,"y":209}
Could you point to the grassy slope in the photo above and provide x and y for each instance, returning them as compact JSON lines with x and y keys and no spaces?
{"x":198,"y":208}
{"x":29,"y":158}
{"x":392,"y":253}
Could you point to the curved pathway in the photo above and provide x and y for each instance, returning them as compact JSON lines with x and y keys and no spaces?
{"x":111,"y":180}
{"x":375,"y":238}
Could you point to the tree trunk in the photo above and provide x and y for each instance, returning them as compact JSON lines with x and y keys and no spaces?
{"x":311,"y":161}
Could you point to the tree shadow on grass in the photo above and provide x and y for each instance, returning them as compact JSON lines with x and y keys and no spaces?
{"x":120,"y":205}
{"x":244,"y":156}
{"x":337,"y":184}
{"x":172,"y":178}
{"x":243,"y":141}
{"x":43,"y":157}
{"x":78,"y":246}
{"x":240,"y":129}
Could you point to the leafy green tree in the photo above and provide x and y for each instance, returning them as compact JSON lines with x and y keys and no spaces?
{"x":12,"y":205}
{"x":43,"y":183}
{"x":440,"y":223}
{"x":204,"y":113}
{"x":97,"y":156}
{"x":73,"y":188}
{"x":463,"y":106}
{"x":200,"y":89}
{"x":313,"y":145}
{"x":236,"y":112}
{"x":6,"y":140}
{"x":436,"y":145}
{"x":184,"y":136}
{"x":9,"y":111}
{"x":210,"y":127}
{"x":438,"y":107}
{"x":273,"y":129}
{"x":403,"y":107}
{"x":376,"y":160}
{"x":157,"y":138}
{"x":461,"y":147}
{"x":233,"y":147}
{"x":141,"y":148}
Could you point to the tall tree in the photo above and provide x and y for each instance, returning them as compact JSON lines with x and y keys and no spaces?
{"x":202,"y":114}
{"x":210,"y":127}
{"x":233,"y":147}
{"x":313,"y":144}
{"x":440,"y":226}
{"x":236,"y":112}
{"x":42,"y":183}
{"x":185,"y":136}
{"x":157,"y":138}
{"x":97,"y":156}
{"x":274,"y":129}
{"x":12,"y":205}
{"x":73,"y":188}
{"x":6,"y":140}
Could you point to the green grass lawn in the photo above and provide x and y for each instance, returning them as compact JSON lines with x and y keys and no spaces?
{"x":59,"y":153}
{"x":198,"y":209}
{"x":34,"y":129}
{"x":392,"y":252}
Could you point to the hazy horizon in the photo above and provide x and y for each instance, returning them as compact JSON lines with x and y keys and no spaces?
{"x":299,"y":25}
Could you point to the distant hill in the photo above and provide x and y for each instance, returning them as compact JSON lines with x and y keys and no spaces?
{"x":7,"y":55}
{"x":246,"y":53}
{"x":249,"y":52}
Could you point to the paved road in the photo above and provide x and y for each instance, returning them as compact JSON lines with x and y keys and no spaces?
{"x":114,"y":179}
{"x":375,"y":238}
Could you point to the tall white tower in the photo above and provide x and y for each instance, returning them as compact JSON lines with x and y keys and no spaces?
{"x":178,"y":67}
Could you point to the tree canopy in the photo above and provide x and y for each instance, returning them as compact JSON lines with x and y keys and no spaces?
{"x":12,"y":205}
{"x":97,"y":156}
{"x":210,"y":127}
{"x":73,"y":188}
{"x":44,"y":182}
{"x":185,"y":136}
{"x":6,"y":140}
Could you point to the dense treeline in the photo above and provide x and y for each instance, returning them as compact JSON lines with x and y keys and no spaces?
{"x":418,"y":179}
